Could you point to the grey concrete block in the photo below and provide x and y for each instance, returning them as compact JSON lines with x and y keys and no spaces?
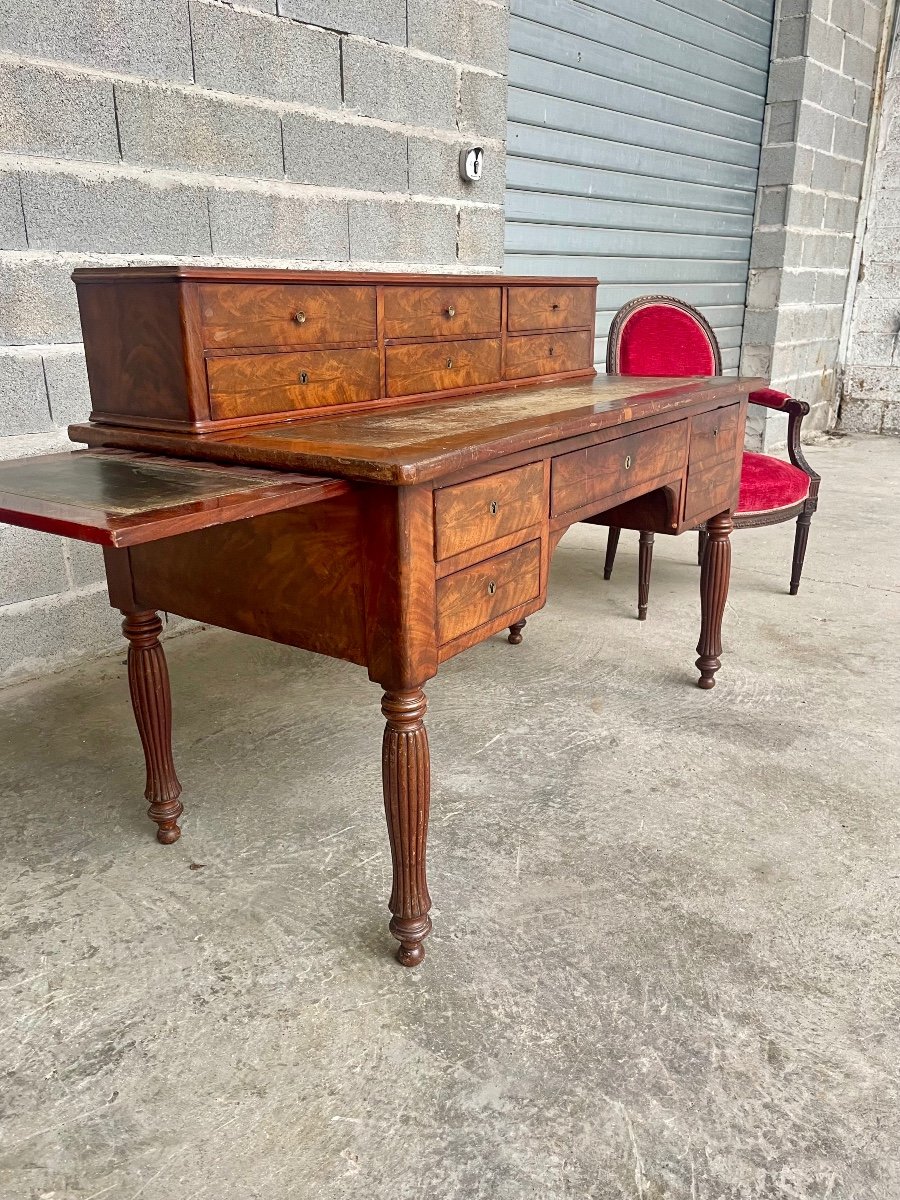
{"x":806,"y":209}
{"x":831,"y":90}
{"x":480,"y":238}
{"x":891,"y":422}
{"x":383,"y":82}
{"x":843,"y":251}
{"x":873,"y":15}
{"x":872,"y":383}
{"x":35,"y":639}
{"x":786,"y":80}
{"x":398,"y":232}
{"x":340,"y":154}
{"x":434,"y":171}
{"x":23,"y":394}
{"x":169,"y":128}
{"x":845,"y":14}
{"x":760,"y":326}
{"x":464,"y":31}
{"x":861,"y":416}
{"x":873,"y":349}
{"x":881,"y":281}
{"x":133,"y":37}
{"x":85,"y":563}
{"x":858,"y":61}
{"x":815,"y":127}
{"x":840,"y":214}
{"x":12,"y":222}
{"x":37,"y":303}
{"x":853,"y":176}
{"x":31,"y":565}
{"x":259,"y":224}
{"x":790,"y":37}
{"x":48,"y":112}
{"x":818,"y":250}
{"x":763,"y":287}
{"x":767,"y":248}
{"x":824,"y":43}
{"x":828,"y":173}
{"x":771,"y":206}
{"x":776,"y":165}
{"x":383,"y":20}
{"x":67,"y":385}
{"x":114,"y":215}
{"x":798,"y":287}
{"x":781,"y":121}
{"x":257,"y":55}
{"x":483,"y":105}
{"x":862,"y":103}
{"x":850,"y":139}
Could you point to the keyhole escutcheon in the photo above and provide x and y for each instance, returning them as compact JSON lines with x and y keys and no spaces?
{"x":492,"y":507}
{"x":304,"y":377}
{"x":492,"y":587}
{"x":627,"y":462}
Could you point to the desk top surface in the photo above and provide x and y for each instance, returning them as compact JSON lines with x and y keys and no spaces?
{"x":413,"y":443}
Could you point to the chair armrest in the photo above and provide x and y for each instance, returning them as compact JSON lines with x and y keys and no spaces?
{"x":796,"y":411}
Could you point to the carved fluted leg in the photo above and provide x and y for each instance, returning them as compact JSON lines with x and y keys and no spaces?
{"x":701,"y":546}
{"x":612,"y":543}
{"x":515,"y":632}
{"x":801,"y":537}
{"x":645,"y":562}
{"x":148,"y":679}
{"x":406,"y":773}
{"x":714,"y":575}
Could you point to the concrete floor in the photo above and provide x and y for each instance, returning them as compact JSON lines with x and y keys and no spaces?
{"x":664,"y":961}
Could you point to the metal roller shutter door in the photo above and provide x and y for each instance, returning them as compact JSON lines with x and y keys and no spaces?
{"x":633,"y":147}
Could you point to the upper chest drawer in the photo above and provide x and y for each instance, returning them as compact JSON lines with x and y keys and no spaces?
{"x":550,"y":308}
{"x":441,"y":312}
{"x":291,"y":314}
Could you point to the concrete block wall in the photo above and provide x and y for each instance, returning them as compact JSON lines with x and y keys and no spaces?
{"x":819,"y":104}
{"x":871,"y":382}
{"x":292,"y":133}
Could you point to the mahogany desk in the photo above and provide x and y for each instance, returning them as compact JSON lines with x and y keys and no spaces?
{"x":390,"y":533}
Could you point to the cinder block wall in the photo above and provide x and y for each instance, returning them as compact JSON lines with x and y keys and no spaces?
{"x":871,"y":400}
{"x":283,"y":132}
{"x":811,"y":168}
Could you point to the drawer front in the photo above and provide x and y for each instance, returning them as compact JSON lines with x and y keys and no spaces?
{"x":550,"y":308}
{"x":247,"y":385}
{"x":442,"y":312}
{"x":476,"y":595}
{"x":471,"y":514}
{"x":289,"y":314}
{"x":600,"y":473}
{"x":548,"y":353}
{"x":711,"y":487}
{"x":439,"y":366}
{"x":714,"y":434}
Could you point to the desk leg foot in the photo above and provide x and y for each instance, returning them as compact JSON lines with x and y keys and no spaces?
{"x":406,"y":774}
{"x":714,"y":576}
{"x":645,"y":562}
{"x":612,"y":544}
{"x":515,"y":633}
{"x":148,"y":680}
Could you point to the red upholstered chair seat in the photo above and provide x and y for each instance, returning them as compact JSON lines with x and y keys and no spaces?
{"x":659,"y":339}
{"x":768,"y":483}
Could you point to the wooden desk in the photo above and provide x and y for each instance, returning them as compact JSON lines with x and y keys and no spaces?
{"x":394,"y":535}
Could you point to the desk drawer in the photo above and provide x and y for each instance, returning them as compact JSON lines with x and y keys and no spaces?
{"x":287,"y":314}
{"x":600,"y":473}
{"x":711,"y":488}
{"x":247,"y":385}
{"x":440,"y":366}
{"x":550,"y":308}
{"x":478,"y":594}
{"x":441,"y":312}
{"x":714,"y":434}
{"x":471,"y":514}
{"x":548,"y":354}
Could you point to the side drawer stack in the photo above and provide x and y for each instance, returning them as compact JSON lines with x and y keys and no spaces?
{"x":713,"y":471}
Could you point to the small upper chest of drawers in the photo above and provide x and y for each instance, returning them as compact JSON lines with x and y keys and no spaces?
{"x":196,"y":349}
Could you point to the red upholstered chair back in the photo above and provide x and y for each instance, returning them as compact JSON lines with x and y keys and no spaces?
{"x":659,"y":335}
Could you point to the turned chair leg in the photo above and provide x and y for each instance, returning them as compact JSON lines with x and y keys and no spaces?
{"x":406,"y":775}
{"x":515,"y":632}
{"x":645,"y":562}
{"x":612,"y":542}
{"x":148,"y":681}
{"x":801,"y":537}
{"x":715,"y":572}
{"x":702,"y":536}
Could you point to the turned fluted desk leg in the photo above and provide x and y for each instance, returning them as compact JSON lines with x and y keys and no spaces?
{"x":148,"y":679}
{"x":645,"y":562}
{"x":406,"y":774}
{"x":714,"y":575}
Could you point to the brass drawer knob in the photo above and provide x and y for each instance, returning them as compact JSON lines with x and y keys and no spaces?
{"x":450,"y":311}
{"x":492,"y":587}
{"x":300,"y":316}
{"x":628,"y":461}
{"x":449,"y":363}
{"x":492,"y":508}
{"x":304,"y":377}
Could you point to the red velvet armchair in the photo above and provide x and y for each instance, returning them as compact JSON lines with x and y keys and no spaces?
{"x":658,"y":335}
